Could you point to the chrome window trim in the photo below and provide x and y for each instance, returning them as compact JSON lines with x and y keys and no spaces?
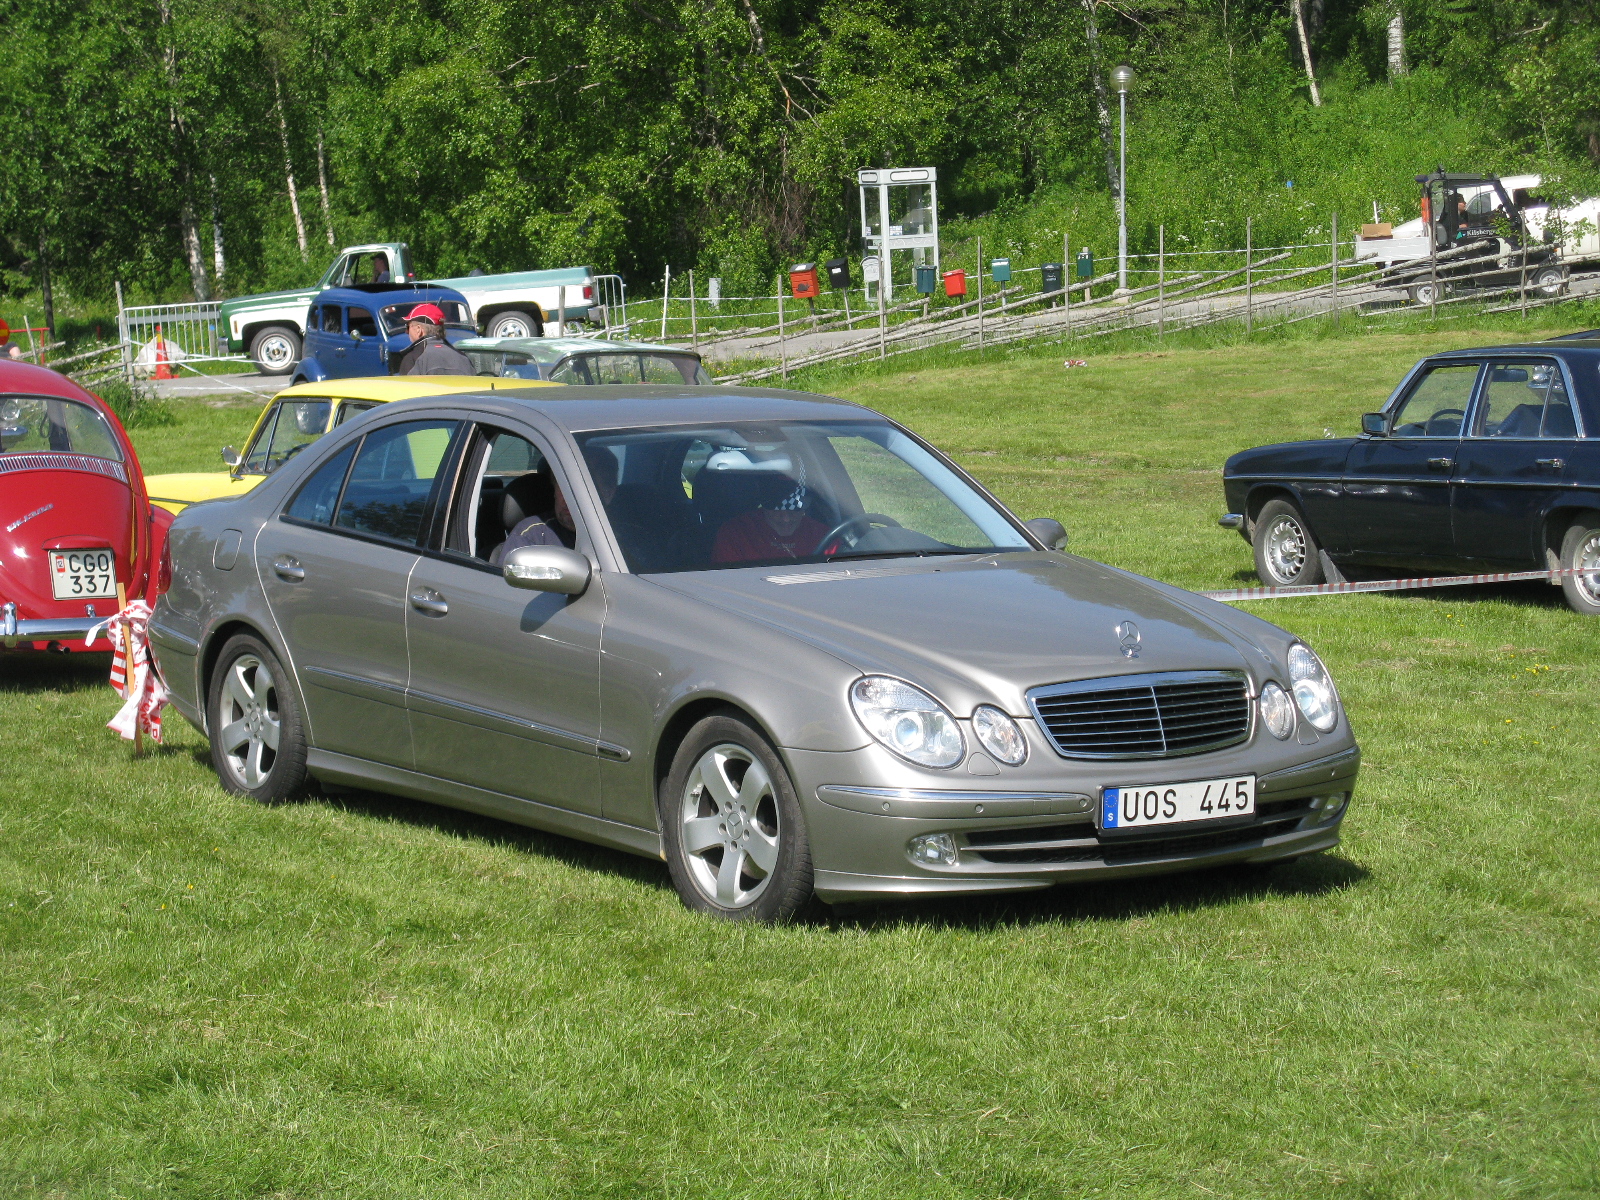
{"x":1483,"y":384}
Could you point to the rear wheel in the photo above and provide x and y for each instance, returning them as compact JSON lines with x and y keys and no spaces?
{"x":1422,"y":293}
{"x":730,"y":821}
{"x":257,"y":738}
{"x":1580,"y":550}
{"x":514,"y":324}
{"x":1287,"y":554}
{"x":1549,"y":281}
{"x":275,"y":350}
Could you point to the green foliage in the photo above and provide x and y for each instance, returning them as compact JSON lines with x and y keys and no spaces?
{"x":136,"y":407}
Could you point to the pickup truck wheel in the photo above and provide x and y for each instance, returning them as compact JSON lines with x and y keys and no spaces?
{"x":1580,"y":550}
{"x":275,"y":350}
{"x":1549,"y":281}
{"x":1422,"y":293}
{"x":1287,"y":554}
{"x":514,"y":324}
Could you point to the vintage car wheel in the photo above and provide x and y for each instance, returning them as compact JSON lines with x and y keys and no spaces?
{"x":735,"y":840}
{"x":1580,"y":550}
{"x":1286,"y":552}
{"x":514,"y":324}
{"x":275,"y":350}
{"x":1549,"y":281}
{"x":257,"y":739}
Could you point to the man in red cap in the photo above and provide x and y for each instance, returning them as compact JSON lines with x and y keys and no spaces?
{"x":430,"y":354}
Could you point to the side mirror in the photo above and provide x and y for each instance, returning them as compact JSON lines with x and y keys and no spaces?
{"x":356,"y":337}
{"x":547,"y":569}
{"x":231,"y":457}
{"x":1374,"y":423}
{"x":1049,"y":531}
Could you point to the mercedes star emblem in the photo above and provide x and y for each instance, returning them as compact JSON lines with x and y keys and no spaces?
{"x":1128,"y":636}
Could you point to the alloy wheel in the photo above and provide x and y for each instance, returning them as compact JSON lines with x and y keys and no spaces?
{"x":1585,"y":560}
{"x":250,"y":721}
{"x":730,"y":826}
{"x":1286,"y":548}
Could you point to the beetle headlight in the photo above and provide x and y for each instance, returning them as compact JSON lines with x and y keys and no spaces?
{"x":1313,"y":689}
{"x":908,"y":721}
{"x":999,"y":735}
{"x":1277,"y":710}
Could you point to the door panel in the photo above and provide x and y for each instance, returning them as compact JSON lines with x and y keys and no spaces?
{"x":1398,"y":488}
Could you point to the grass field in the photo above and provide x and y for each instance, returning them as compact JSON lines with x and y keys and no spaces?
{"x":366,"y":996}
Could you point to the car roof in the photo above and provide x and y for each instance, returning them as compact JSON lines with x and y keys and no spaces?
{"x":1570,"y":344}
{"x":633,"y":406}
{"x":387,"y":293}
{"x":547,"y":350}
{"x":41,"y":381}
{"x":403,"y":387}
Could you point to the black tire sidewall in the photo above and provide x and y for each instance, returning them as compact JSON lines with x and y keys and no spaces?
{"x":792,"y":881}
{"x":1577,"y":533}
{"x":262,"y":335}
{"x":1311,"y":572}
{"x":288,"y":775}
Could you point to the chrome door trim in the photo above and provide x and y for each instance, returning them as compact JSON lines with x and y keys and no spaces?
{"x":357,"y":685}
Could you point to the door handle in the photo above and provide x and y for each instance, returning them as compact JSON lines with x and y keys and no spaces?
{"x":288,"y":569}
{"x":1551,"y":464}
{"x":426,"y":600}
{"x":1440,"y":464}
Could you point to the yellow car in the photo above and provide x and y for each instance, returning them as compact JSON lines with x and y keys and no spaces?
{"x":297,"y":417}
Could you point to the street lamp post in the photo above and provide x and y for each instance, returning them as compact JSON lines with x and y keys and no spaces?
{"x":1122,"y":80}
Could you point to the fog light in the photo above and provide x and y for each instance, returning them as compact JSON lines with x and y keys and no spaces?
{"x":934,"y":849}
{"x":1332,"y":805}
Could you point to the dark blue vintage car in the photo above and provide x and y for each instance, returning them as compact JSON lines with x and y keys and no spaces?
{"x":1482,"y":460}
{"x":361,"y":330}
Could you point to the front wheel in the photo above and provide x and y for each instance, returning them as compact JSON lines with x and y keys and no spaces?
{"x":514,"y":324}
{"x":1422,"y":293}
{"x":731,"y":825}
{"x":1287,"y":554}
{"x":1580,"y":551}
{"x":275,"y":350}
{"x":258,"y":744}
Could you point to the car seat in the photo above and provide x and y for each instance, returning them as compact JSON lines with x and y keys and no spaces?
{"x":502,"y":509}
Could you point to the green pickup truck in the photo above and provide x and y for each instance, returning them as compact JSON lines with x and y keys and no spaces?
{"x":270,"y":325}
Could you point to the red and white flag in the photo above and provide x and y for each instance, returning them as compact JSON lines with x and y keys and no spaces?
{"x":143,"y":702}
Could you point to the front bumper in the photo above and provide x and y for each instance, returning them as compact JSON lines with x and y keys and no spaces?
{"x":14,"y":631}
{"x":1017,"y":839}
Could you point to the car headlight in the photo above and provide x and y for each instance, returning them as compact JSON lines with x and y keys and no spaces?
{"x":1313,"y":689}
{"x":1277,"y":710}
{"x":999,"y":735}
{"x":908,"y":721}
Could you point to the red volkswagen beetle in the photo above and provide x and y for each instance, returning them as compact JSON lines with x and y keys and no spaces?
{"x":74,"y":517}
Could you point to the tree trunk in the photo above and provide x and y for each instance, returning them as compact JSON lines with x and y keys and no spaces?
{"x":45,"y":289}
{"x":1102,"y":100}
{"x":1397,"y":42}
{"x":218,"y":262}
{"x":188,"y":223}
{"x":190,"y":229}
{"x":1305,"y":50}
{"x":288,"y":168}
{"x":322,"y":182}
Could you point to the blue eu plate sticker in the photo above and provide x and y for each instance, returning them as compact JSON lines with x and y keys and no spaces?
{"x":1108,"y":808}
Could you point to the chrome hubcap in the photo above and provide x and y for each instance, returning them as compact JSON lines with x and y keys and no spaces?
{"x":729,"y":824}
{"x":1587,"y":559}
{"x":513,"y":329}
{"x":1286,"y":549}
{"x":249,"y":721}
{"x":276,"y":352}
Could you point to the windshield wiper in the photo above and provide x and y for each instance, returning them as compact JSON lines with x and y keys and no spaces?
{"x":902,"y":553}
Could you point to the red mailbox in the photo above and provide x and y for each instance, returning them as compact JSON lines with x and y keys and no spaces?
{"x":803,"y":281}
{"x":955,"y":283}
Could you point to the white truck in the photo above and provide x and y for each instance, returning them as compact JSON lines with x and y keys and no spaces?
{"x":1544,"y":241}
{"x":271,"y":325}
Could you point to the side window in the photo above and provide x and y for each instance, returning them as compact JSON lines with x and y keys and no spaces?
{"x":393,"y":477}
{"x":255,"y":459}
{"x":331,"y":322}
{"x":319,"y":495}
{"x":1438,"y":402}
{"x":361,"y":322}
{"x":353,"y":408}
{"x":507,"y":481}
{"x":1526,"y":400}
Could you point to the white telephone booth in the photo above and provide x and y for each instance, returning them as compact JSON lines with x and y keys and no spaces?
{"x":899,"y":211}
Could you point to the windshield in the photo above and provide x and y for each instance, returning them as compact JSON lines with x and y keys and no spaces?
{"x":455,"y":315}
{"x":36,"y":423}
{"x":289,"y":428}
{"x":740,"y":495}
{"x":503,"y":364}
{"x":630,"y":367}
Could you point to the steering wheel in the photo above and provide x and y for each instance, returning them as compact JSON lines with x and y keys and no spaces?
{"x":830,"y":540}
{"x":1445,"y":412}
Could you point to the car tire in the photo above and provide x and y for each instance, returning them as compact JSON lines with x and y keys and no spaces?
{"x":1549,"y":281}
{"x":1287,"y":554}
{"x":1580,"y":549}
{"x":258,"y":744}
{"x":1422,"y":293}
{"x":731,"y":825}
{"x":514,"y":324}
{"x":275,"y":350}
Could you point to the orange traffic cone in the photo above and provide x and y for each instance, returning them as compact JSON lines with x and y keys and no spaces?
{"x":163,"y":371}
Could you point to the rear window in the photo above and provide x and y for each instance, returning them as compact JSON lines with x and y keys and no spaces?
{"x":41,"y":423}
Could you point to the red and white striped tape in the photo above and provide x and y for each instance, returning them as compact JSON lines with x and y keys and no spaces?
{"x":1397,"y":585}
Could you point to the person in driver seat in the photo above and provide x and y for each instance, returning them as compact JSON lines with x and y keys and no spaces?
{"x":780,"y":529}
{"x":557,"y":527}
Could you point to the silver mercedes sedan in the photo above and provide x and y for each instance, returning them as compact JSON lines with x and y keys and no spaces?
{"x":772,"y":638}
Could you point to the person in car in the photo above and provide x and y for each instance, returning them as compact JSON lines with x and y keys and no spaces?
{"x":780,"y":529}
{"x":380,"y":268}
{"x":557,"y":527}
{"x":430,"y":354}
